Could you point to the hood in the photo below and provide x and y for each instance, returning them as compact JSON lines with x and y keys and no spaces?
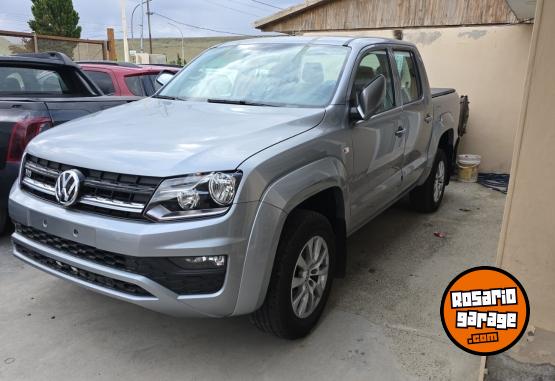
{"x":156,"y":137}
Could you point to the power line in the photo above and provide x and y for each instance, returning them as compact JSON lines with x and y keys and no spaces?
{"x":231,"y":8}
{"x":268,"y":5}
{"x":250,"y":5}
{"x":200,"y":27}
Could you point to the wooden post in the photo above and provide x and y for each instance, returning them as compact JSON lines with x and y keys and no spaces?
{"x":35,"y":43}
{"x":104,"y":50}
{"x":112,"y":55}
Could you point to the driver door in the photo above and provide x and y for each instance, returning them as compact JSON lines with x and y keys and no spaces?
{"x":378,"y":143}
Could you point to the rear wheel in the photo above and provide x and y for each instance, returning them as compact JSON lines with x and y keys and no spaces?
{"x":301,"y":277}
{"x":427,"y":197}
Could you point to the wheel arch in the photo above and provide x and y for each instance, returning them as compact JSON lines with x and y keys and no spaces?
{"x":313,"y":187}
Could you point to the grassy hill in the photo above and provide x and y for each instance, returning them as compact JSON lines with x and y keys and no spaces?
{"x":172,"y":46}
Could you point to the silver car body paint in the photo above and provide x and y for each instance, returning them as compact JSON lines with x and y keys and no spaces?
{"x":286,"y":155}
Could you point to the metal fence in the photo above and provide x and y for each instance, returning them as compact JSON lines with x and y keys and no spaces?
{"x":77,"y":49}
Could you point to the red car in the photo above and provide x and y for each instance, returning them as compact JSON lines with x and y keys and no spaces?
{"x":122,"y":78}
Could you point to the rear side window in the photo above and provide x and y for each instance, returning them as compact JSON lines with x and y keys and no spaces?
{"x":14,"y":80}
{"x":411,"y":89}
{"x":102,"y":80}
{"x":135,"y":85}
{"x":372,"y":65}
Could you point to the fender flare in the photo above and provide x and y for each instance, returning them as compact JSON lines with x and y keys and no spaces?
{"x":279,"y":199}
{"x":445,"y":123}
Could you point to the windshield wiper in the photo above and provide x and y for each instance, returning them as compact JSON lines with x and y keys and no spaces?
{"x":239,"y":102}
{"x":169,"y":97}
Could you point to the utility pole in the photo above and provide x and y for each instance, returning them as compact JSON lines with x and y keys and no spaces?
{"x":142,"y":24}
{"x":124,"y":27}
{"x":148,"y":13}
{"x":182,"y":38}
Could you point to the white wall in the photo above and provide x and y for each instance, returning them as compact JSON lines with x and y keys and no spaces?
{"x":527,"y":243}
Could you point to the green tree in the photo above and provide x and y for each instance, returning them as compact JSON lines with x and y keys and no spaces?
{"x":54,"y":18}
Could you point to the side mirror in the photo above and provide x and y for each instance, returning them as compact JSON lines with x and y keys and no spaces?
{"x":163,"y":78}
{"x":371,"y":97}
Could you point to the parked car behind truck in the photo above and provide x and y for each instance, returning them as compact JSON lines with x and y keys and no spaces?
{"x":233,"y":189}
{"x":123,"y":78}
{"x":39,"y":91}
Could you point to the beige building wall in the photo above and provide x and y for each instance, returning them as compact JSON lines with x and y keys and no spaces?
{"x":487,"y":63}
{"x":527,"y":242}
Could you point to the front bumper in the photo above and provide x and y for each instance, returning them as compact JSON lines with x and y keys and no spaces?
{"x":225,"y":235}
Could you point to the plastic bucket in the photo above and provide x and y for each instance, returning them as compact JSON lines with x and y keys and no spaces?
{"x":468,"y":167}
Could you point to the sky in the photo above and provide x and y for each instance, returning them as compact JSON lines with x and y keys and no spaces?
{"x":234,"y":16}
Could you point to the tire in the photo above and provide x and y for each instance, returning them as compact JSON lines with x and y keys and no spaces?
{"x":279,"y":314}
{"x":426,"y":198}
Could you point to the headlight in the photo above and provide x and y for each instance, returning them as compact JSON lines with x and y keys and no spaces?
{"x":199,"y":195}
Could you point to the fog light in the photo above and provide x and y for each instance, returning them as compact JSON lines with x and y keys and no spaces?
{"x":204,"y":262}
{"x":218,"y":260}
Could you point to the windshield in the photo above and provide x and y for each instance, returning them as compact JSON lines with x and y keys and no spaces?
{"x":262,"y":74}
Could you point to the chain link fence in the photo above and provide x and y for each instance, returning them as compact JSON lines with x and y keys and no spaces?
{"x":77,"y":49}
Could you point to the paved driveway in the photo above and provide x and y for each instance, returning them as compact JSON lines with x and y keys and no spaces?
{"x":382,"y":321}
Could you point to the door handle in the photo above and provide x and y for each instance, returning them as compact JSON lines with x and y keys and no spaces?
{"x":428,"y":118}
{"x":400,"y":132}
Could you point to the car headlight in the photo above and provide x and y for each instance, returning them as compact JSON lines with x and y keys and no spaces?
{"x":193,"y":196}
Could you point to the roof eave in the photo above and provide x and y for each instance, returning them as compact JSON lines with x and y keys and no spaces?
{"x":279,"y":16}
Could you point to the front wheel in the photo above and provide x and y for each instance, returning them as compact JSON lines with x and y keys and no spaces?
{"x":301,"y":278}
{"x":427,"y":197}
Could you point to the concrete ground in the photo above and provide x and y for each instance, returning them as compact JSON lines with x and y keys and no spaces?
{"x":382,"y":321}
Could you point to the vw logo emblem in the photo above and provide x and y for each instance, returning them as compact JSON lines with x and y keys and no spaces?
{"x":67,"y":187}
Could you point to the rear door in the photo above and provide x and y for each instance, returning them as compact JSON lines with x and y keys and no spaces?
{"x":417,"y":112}
{"x":377,"y":147}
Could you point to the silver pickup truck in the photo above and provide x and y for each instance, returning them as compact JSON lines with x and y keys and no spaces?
{"x":233,"y":189}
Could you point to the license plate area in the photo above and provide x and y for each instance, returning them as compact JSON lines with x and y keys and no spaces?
{"x":63,"y":229}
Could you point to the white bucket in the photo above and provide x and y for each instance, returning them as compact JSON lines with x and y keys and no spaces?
{"x":468,"y":167}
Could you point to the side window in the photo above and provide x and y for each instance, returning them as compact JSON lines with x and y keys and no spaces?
{"x":135,"y":85}
{"x":372,"y":65}
{"x":408,"y":76}
{"x":102,"y":80}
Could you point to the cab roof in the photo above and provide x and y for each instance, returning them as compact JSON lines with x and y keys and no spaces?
{"x":352,"y":41}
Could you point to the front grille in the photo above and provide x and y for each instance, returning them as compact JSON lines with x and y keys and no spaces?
{"x":88,"y":276}
{"x":107,"y":193}
{"x":166,"y":271}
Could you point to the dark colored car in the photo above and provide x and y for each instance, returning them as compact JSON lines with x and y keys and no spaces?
{"x":37,"y":92}
{"x":122,"y":78}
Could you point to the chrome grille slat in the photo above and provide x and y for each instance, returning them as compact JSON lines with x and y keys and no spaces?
{"x":102,"y":202}
{"x":42,"y":170}
{"x":113,"y":194}
{"x":39,"y":186}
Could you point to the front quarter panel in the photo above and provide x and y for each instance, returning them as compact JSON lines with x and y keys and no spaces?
{"x":278,"y":201}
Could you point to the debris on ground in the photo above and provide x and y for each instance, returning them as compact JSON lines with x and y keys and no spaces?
{"x":53,"y":317}
{"x":440,"y":234}
{"x":498,"y":182}
{"x":465,"y":210}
